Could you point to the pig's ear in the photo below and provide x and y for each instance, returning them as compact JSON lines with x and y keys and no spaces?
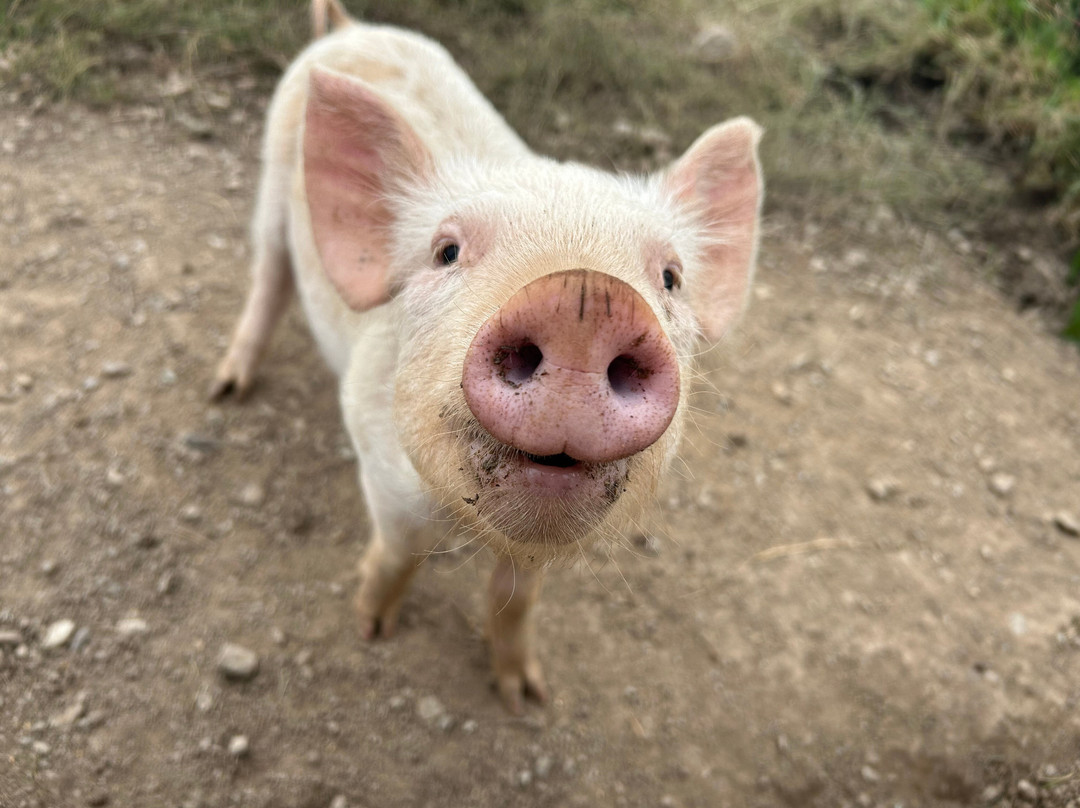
{"x":719,"y":178}
{"x":357,"y":152}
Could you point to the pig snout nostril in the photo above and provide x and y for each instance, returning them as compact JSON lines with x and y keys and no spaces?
{"x":627,"y":376}
{"x":517,"y":363}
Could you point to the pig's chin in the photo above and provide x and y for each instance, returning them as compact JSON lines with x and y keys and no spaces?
{"x":540,"y":506}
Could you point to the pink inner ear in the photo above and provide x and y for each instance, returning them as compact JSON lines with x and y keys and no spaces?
{"x":720,"y":178}
{"x":357,"y":150}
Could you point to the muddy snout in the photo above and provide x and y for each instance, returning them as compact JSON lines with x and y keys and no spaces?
{"x":575,"y":364}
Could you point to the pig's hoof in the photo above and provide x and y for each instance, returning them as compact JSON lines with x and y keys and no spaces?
{"x":515,"y":686}
{"x":375,"y":623}
{"x":230,"y":381}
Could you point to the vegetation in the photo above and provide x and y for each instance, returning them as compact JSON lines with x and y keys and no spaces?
{"x":917,"y":106}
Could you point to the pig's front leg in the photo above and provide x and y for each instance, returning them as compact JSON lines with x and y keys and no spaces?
{"x":400,"y":541}
{"x":511,"y":596}
{"x":386,"y":568}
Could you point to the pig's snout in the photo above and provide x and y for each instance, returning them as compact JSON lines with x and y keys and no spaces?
{"x":574,"y":367}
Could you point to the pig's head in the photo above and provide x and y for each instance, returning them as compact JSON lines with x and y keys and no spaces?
{"x":549,"y":312}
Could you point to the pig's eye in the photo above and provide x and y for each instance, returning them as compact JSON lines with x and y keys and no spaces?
{"x":672,"y":279}
{"x":447,"y":254}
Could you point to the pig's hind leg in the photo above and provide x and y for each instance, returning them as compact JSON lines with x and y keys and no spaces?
{"x":271,"y":291}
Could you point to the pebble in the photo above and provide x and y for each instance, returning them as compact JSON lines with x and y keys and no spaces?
{"x":68,"y":716}
{"x":397,"y":702}
{"x":115,"y":370}
{"x":869,"y":774}
{"x":253,"y":495}
{"x":1067,"y":523}
{"x":131,"y":626}
{"x":239,"y":746}
{"x":339,"y":802}
{"x":1027,"y":791}
{"x":58,"y":634}
{"x":40,"y":747}
{"x":237,"y":663}
{"x":782,"y":393}
{"x":81,"y":639}
{"x":1001,"y":484}
{"x":543,"y":766}
{"x":430,"y":708}
{"x":881,"y":489}
{"x":469,"y":727}
{"x":191,"y":513}
{"x":10,"y":637}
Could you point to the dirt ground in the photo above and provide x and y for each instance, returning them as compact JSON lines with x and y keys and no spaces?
{"x":863,"y":588}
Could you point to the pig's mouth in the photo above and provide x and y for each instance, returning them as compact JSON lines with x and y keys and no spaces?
{"x":540,"y":499}
{"x":559,"y":461}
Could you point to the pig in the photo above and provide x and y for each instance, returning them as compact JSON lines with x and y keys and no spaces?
{"x":513,"y":335}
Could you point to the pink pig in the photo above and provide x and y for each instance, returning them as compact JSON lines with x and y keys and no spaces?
{"x":512,"y":334}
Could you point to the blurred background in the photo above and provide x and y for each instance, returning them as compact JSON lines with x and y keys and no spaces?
{"x":959,"y":115}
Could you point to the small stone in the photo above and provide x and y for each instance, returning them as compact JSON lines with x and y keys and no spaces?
{"x":239,"y":746}
{"x":115,"y":370}
{"x":68,"y":716}
{"x":446,"y":722}
{"x":191,"y":513}
{"x":991,"y":793}
{"x":882,"y":489}
{"x":869,"y":774}
{"x":166,"y":583}
{"x":252,"y":495}
{"x":1067,"y":523}
{"x":429,"y":708}
{"x":782,"y":393}
{"x":48,"y":566}
{"x":91,"y":383}
{"x":24,"y":381}
{"x":40,"y":748}
{"x":237,"y":663}
{"x":1026,"y":791}
{"x":114,"y":478}
{"x":58,"y":634}
{"x":10,"y":637}
{"x":1017,"y":624}
{"x":397,"y":702}
{"x":131,"y":626}
{"x":81,"y":639}
{"x":543,"y":766}
{"x":200,"y":442}
{"x":339,"y":802}
{"x":469,"y":726}
{"x":525,"y":778}
{"x":1002,"y":484}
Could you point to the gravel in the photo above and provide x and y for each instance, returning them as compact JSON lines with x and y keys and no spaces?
{"x":237,"y":663}
{"x":58,"y":634}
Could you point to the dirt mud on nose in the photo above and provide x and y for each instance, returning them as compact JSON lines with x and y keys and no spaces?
{"x":863,"y":589}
